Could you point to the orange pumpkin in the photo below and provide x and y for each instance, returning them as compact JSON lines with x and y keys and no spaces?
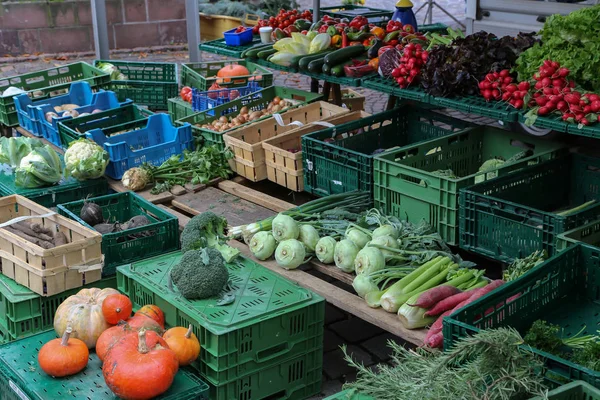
{"x":63,"y":357}
{"x":139,"y":322}
{"x":153,"y":312}
{"x":140,"y":366}
{"x":231,"y":71}
{"x":83,"y":311}
{"x":110,"y":337}
{"x":116,"y":307}
{"x":184,"y":343}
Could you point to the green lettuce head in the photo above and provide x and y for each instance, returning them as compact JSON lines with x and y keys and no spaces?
{"x":13,"y":149}
{"x":85,"y":160}
{"x":41,"y":167}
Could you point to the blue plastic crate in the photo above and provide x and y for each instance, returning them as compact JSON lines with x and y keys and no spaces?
{"x":79,"y":93}
{"x":237,"y":39}
{"x":202,"y":101}
{"x":153,"y":144}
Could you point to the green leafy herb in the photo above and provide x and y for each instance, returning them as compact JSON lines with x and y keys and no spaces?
{"x":522,"y":265}
{"x":588,"y":356}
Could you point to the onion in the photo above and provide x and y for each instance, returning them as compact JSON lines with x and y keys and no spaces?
{"x":325,"y":248}
{"x":368,"y":260}
{"x":223,"y":119}
{"x":284,"y":227}
{"x":276,"y":100}
{"x":386,"y":241}
{"x":309,"y":237}
{"x":344,"y":254}
{"x":263,"y":245}
{"x":50,"y":115}
{"x":91,"y":213}
{"x":358,"y":237}
{"x":363,"y":284}
{"x":386,"y":230}
{"x":244,"y":110}
{"x":290,"y":254}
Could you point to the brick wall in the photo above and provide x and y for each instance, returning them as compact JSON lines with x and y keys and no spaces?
{"x":28,"y":27}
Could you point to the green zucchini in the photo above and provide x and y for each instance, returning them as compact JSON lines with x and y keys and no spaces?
{"x":338,"y":70}
{"x":326,"y":69}
{"x":303,"y":64}
{"x":263,"y":54}
{"x":316,"y":66}
{"x":252,"y":52}
{"x":341,"y":55}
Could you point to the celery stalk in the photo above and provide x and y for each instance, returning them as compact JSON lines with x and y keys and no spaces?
{"x":424,"y":277}
{"x":414,"y":317}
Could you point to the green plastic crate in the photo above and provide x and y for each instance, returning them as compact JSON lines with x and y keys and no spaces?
{"x":179,"y":109}
{"x":255,"y":101}
{"x":349,"y":395}
{"x":120,"y":248}
{"x":553,"y":122}
{"x":270,"y":316}
{"x":22,"y":378}
{"x":202,"y":75}
{"x":219,"y":47}
{"x":592,"y":131}
{"x":513,"y":216}
{"x":578,"y":390}
{"x":42,"y":84}
{"x":477,"y":105}
{"x":148,"y":83}
{"x":347,"y":164}
{"x":67,"y":190}
{"x":407,"y":187}
{"x":564,"y":290}
{"x":341,"y":80}
{"x":389,"y":86}
{"x":23,"y":312}
{"x":73,"y":129}
{"x":296,"y":379}
{"x":588,"y":233}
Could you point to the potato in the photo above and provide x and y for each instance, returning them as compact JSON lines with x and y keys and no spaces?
{"x":224,"y":119}
{"x":244,"y":110}
{"x":276,"y":109}
{"x":58,"y":109}
{"x":96,"y":111}
{"x":49,"y":116}
{"x":69,"y":107}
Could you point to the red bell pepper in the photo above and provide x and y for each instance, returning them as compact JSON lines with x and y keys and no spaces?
{"x":358,"y":71}
{"x":344,"y":39}
{"x":323,"y":29}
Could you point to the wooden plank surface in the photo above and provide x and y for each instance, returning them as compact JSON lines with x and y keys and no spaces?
{"x":332,"y":271}
{"x":342,"y":299}
{"x":237,"y":211}
{"x":164,"y":197}
{"x":255,"y":196}
{"x":183,"y":219}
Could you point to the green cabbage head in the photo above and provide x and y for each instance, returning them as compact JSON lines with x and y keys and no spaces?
{"x":41,"y":167}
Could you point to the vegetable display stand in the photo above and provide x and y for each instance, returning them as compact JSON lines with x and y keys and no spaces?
{"x":74,"y":129}
{"x":48,"y":271}
{"x":588,"y":234}
{"x":412,"y":183}
{"x":47,"y":83}
{"x":283,"y":153}
{"x":564,"y":290}
{"x":154,"y":143}
{"x":578,"y":390}
{"x":271,"y":322}
{"x":100,"y":101}
{"x":24,"y":313}
{"x":202,"y":101}
{"x":340,"y":159}
{"x":134,"y":244}
{"x":178,"y":108}
{"x":499,"y":111}
{"x":246,"y":144}
{"x":147,"y":83}
{"x":80,"y":93}
{"x":352,"y":100}
{"x":389,"y":86}
{"x":202,"y":75}
{"x":220,"y":47}
{"x":213,"y":26}
{"x":515,"y":215}
{"x":547,"y":122}
{"x":255,"y":102}
{"x":22,"y":378}
{"x":68,"y":189}
{"x":349,"y":395}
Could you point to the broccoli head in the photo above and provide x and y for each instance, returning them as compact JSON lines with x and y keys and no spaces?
{"x":200,"y":274}
{"x":207,"y":230}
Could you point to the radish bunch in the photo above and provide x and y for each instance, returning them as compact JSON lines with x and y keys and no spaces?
{"x":411,"y":62}
{"x":499,"y":86}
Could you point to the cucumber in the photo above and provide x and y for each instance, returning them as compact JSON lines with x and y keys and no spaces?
{"x":326,"y":69}
{"x":303,"y":64}
{"x":338,"y":70}
{"x":345,"y":54}
{"x":253,"y":51}
{"x":263,"y":54}
{"x":316,"y":66}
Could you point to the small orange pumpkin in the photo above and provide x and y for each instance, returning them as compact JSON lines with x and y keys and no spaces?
{"x":64,"y":356}
{"x":153,"y":312}
{"x":184,"y":343}
{"x":110,"y":337}
{"x":139,"y":322}
{"x":116,"y":307}
{"x":232,"y":71}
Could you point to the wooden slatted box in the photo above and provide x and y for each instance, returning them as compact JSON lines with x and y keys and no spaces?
{"x":48,"y":271}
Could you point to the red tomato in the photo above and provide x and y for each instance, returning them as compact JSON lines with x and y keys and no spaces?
{"x":185,"y":91}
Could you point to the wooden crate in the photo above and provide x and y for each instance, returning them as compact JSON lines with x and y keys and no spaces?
{"x":285,"y":167}
{"x":249,"y":160}
{"x":48,"y":271}
{"x":353,"y":100}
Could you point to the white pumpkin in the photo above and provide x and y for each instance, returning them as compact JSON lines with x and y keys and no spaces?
{"x":83,"y":311}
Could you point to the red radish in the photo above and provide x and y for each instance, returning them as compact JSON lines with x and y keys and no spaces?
{"x":434,"y":295}
{"x":450,"y":302}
